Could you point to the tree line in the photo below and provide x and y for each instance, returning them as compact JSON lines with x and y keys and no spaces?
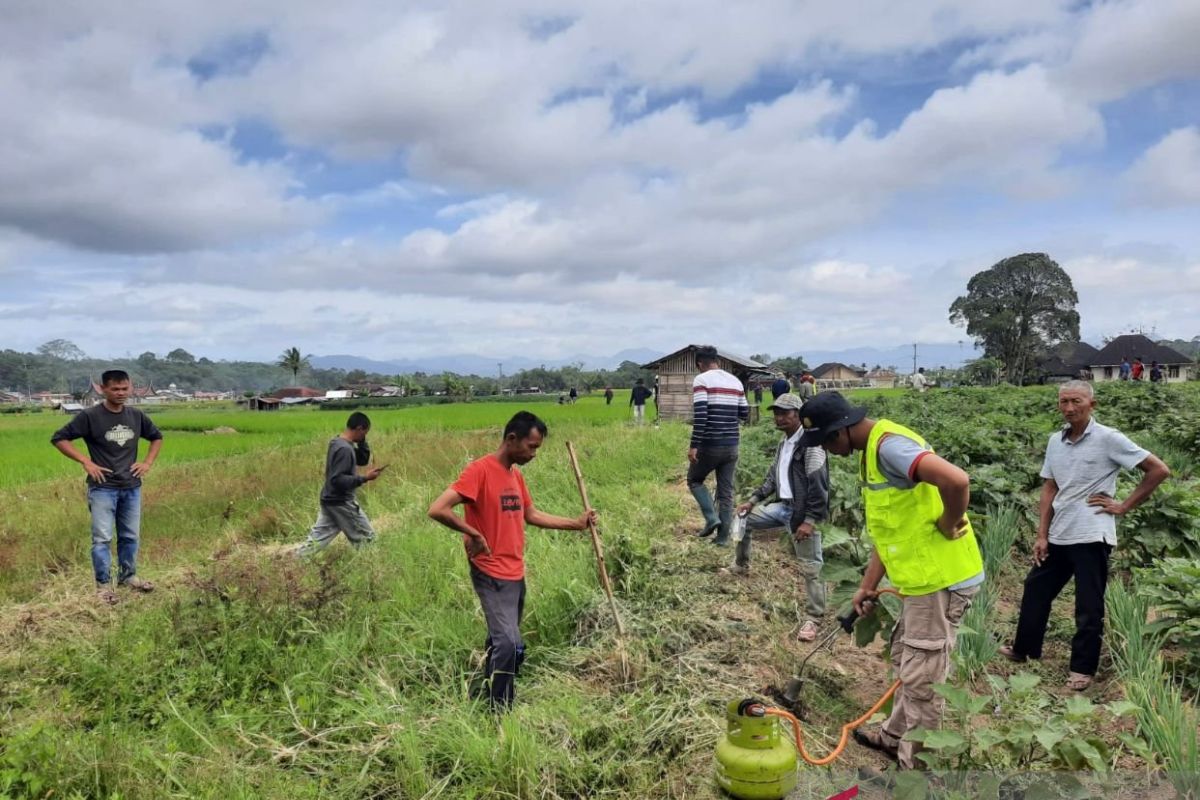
{"x":62,"y":366}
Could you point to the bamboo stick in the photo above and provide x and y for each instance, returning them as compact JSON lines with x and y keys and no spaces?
{"x":595,"y":540}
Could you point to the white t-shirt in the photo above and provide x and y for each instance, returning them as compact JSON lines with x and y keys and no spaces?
{"x":782,"y":479}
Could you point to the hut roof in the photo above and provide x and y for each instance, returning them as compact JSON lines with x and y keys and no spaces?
{"x":830,"y":366}
{"x":742,"y":361}
{"x":296,"y":391}
{"x":1068,"y":358}
{"x":1133,"y":345}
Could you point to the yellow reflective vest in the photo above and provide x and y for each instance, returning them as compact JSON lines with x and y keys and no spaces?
{"x":903,"y":525}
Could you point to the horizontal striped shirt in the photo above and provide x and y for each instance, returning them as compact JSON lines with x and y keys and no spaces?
{"x":718,"y":405}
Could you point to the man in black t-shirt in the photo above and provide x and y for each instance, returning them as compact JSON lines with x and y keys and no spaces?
{"x":111,"y":432}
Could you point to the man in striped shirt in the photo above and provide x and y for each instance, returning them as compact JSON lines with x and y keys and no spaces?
{"x":718,"y":407}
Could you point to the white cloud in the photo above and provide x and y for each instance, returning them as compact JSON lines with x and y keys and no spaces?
{"x":1168,"y":173}
{"x":593,"y":160}
{"x":99,"y":151}
{"x":1126,"y":45}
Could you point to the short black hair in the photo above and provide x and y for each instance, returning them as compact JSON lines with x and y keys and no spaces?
{"x":706,"y":353}
{"x":639,"y":382}
{"x":523,"y":423}
{"x":113,"y":376}
{"x":358,"y":420}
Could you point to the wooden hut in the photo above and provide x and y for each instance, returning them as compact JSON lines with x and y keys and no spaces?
{"x":676,"y":371}
{"x":835,"y":375}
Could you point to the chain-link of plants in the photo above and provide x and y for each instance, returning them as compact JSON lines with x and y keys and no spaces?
{"x":1172,"y":586}
{"x":976,"y":646}
{"x":1166,"y":720}
{"x":1167,"y":525}
{"x":1018,"y":726}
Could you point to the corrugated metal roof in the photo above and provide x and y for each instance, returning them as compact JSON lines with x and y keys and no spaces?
{"x":740,"y":360}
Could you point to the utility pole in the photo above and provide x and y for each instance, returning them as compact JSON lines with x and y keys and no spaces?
{"x":500,"y":379}
{"x":914,"y":357}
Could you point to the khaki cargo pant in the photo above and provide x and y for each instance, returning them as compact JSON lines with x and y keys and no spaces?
{"x":921,"y":645}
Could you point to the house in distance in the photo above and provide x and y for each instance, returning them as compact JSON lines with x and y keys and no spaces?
{"x":676,"y":371}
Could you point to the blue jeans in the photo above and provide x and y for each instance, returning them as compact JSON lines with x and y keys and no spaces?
{"x":121,"y":508}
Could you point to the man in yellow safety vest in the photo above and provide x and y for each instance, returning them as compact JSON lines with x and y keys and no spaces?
{"x":916,"y":514}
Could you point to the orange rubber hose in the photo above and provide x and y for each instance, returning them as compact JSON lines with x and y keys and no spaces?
{"x":846,"y":729}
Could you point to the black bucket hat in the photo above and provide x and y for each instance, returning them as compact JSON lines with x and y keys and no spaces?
{"x":826,"y":414}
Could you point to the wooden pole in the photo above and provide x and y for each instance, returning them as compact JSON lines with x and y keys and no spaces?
{"x":595,"y":540}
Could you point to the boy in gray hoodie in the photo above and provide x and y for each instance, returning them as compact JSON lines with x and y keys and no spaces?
{"x":340,"y":512}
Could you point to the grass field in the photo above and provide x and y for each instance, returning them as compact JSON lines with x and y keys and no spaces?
{"x":250,"y":674}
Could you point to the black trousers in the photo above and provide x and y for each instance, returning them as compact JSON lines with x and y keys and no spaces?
{"x":1088,"y":565}
{"x":503,"y":605}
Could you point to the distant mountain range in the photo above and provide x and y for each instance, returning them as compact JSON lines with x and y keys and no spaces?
{"x":930,"y":356}
{"x":466,"y":364}
{"x":900,"y":357}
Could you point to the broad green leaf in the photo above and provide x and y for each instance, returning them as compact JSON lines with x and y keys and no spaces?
{"x":1048,"y":738}
{"x":1069,"y":753}
{"x":910,"y":785}
{"x":1121,"y":708}
{"x":1079,"y":707}
{"x":833,"y":536}
{"x":943,"y":739}
{"x":1023,"y":681}
{"x":1091,"y":754}
{"x":957,"y":697}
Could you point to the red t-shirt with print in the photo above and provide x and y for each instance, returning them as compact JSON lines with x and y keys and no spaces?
{"x":496,"y":499}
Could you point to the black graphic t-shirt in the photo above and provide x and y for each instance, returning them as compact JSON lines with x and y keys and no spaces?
{"x":112,"y":441}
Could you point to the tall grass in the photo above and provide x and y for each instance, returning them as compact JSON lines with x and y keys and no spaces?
{"x":256,"y":675}
{"x":977,"y":645}
{"x":1166,"y":719}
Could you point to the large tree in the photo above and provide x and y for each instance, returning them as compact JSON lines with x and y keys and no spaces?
{"x":181,"y":356}
{"x":61,"y":348}
{"x":293,"y":362}
{"x":1017,"y":309}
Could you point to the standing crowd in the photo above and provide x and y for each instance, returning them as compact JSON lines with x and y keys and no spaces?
{"x":915,"y":507}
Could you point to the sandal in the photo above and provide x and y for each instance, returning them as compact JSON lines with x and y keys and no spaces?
{"x":873,"y":741}
{"x":106,"y":595}
{"x":807,"y":632}
{"x":1012,"y":655}
{"x":1077,"y":681}
{"x":137,"y":584}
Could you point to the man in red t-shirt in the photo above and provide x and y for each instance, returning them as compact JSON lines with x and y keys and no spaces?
{"x":497,"y":507}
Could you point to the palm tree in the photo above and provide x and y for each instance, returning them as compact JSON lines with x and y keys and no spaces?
{"x":293,"y":361}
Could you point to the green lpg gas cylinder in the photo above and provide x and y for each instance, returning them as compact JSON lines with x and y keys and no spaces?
{"x":755,"y":760}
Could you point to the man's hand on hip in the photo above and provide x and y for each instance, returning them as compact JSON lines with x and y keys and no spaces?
{"x":95,"y":471}
{"x":952,"y":528}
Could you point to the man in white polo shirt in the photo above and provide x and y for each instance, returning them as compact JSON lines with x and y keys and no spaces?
{"x":1078,"y":529}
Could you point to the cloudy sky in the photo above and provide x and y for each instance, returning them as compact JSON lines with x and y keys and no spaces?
{"x":551,"y":178}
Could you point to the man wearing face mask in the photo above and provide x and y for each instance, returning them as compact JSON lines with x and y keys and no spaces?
{"x":915,"y":504}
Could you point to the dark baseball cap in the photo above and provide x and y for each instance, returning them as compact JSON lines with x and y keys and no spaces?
{"x":825,"y":414}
